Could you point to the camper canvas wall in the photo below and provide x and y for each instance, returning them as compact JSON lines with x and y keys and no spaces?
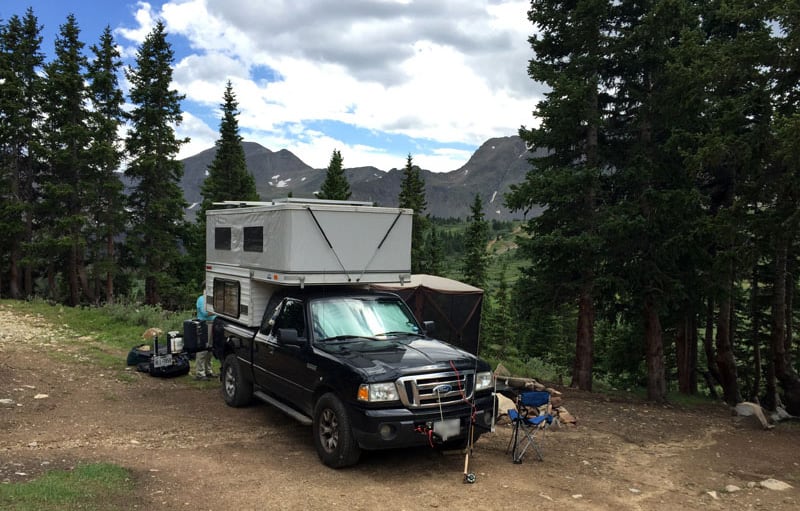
{"x":254,"y":247}
{"x":298,"y":243}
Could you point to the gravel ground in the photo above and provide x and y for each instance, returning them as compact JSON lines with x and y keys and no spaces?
{"x":188,"y":450}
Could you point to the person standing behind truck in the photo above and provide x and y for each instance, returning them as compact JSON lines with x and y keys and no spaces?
{"x":202,"y":364}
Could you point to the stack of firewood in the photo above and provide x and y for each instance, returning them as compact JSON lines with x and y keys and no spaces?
{"x":516,"y":384}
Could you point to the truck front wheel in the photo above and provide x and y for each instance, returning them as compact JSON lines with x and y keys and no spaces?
{"x":333,"y":434}
{"x":236,"y":390}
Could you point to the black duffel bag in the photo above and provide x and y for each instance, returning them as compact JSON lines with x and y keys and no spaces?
{"x":179,"y":366}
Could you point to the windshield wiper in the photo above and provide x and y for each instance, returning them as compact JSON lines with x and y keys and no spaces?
{"x":341,"y":338}
{"x":398,"y":332}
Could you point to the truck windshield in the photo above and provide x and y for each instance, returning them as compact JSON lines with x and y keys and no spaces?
{"x":343,"y":318}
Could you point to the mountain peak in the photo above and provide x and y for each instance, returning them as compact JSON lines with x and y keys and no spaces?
{"x":491,"y":170}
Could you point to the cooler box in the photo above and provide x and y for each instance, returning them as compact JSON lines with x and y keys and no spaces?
{"x":195,"y":336}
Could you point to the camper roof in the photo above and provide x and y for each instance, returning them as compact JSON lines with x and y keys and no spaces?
{"x":291,"y":200}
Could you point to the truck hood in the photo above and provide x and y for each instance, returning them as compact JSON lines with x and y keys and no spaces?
{"x":395,"y":357}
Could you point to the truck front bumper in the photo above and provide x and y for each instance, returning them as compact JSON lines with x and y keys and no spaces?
{"x":401,"y":427}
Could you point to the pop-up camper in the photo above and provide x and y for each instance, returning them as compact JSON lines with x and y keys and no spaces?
{"x":253,"y":246}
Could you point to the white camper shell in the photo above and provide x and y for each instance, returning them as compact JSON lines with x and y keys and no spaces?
{"x":252,"y":247}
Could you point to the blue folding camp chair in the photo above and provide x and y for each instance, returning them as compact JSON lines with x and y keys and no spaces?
{"x":530,"y":418}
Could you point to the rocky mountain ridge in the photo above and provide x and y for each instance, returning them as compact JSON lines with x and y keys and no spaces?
{"x":490,"y":172}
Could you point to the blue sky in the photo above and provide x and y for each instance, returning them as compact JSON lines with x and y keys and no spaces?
{"x":375,"y":79}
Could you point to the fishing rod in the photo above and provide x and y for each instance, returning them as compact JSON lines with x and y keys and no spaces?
{"x":469,"y":477}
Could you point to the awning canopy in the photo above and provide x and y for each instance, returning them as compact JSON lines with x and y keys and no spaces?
{"x":454,"y":306}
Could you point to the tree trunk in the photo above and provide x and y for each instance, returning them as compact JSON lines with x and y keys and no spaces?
{"x":72,"y":276}
{"x":693,"y":353}
{"x":14,"y":276}
{"x":726,"y":362}
{"x":109,"y":274}
{"x":151,"y":290}
{"x":755,"y":336}
{"x":52,"y":291}
{"x":771,"y":398}
{"x":712,"y":373}
{"x":789,"y":310}
{"x":86,"y":286}
{"x":584,"y":345}
{"x":656,"y":373}
{"x":686,"y":354}
{"x":784,"y":372}
{"x":27,"y":270}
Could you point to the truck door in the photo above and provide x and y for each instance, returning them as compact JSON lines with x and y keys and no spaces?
{"x":286,"y":369}
{"x":263,"y":350}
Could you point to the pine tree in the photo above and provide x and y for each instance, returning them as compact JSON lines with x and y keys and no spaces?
{"x":335,"y":186}
{"x":105,"y":199}
{"x":571,"y":50}
{"x":498,"y":325}
{"x":9,"y":213}
{"x":783,"y":221}
{"x":434,"y":264}
{"x":156,"y":201}
{"x":20,"y":143}
{"x":476,"y":260}
{"x":228,"y":177}
{"x":61,"y":211}
{"x":412,"y":196}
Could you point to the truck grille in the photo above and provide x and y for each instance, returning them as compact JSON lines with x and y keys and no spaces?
{"x":433,"y":390}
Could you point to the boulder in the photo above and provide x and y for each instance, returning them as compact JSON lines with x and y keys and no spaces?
{"x":747,"y":409}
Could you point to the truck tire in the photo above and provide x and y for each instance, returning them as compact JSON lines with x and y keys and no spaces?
{"x":236,"y":390}
{"x":333,"y":434}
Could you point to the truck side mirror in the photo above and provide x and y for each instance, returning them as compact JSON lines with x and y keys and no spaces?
{"x":429,"y":326}
{"x":290,"y":337}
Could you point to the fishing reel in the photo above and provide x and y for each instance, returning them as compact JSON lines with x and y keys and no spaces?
{"x":469,"y":478}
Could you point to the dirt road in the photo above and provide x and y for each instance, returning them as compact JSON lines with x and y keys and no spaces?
{"x":188,"y":450}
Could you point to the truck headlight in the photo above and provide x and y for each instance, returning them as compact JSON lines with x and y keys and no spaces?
{"x":376,"y":392}
{"x":483,"y":381}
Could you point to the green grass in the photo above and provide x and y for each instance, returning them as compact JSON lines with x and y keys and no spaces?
{"x":100,"y":486}
{"x":106,"y":332}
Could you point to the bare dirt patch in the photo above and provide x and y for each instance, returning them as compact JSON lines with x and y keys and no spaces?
{"x":188,"y":450}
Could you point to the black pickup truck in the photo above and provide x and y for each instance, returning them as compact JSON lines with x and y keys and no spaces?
{"x":356,"y":366}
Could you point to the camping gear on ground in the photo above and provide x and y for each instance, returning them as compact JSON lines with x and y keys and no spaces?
{"x":195,"y":336}
{"x":530,"y":419}
{"x":162,"y":361}
{"x":139,"y":354}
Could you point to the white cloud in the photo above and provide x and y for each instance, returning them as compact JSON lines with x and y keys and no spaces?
{"x":145,"y":19}
{"x":200,"y":134}
{"x":449,"y":72}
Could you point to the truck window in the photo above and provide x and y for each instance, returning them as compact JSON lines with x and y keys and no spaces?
{"x":291,"y":316}
{"x":360,"y":317}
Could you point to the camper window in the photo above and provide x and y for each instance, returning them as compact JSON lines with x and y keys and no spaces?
{"x":226,"y":298}
{"x":222,"y":238}
{"x":254,"y":239}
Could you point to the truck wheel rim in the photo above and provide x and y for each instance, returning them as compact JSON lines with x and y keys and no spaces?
{"x":230,"y":382}
{"x":329,"y":430}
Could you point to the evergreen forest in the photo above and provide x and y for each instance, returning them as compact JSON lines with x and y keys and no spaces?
{"x":666,"y":256}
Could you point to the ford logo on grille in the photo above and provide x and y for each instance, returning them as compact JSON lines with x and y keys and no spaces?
{"x":442,"y":389}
